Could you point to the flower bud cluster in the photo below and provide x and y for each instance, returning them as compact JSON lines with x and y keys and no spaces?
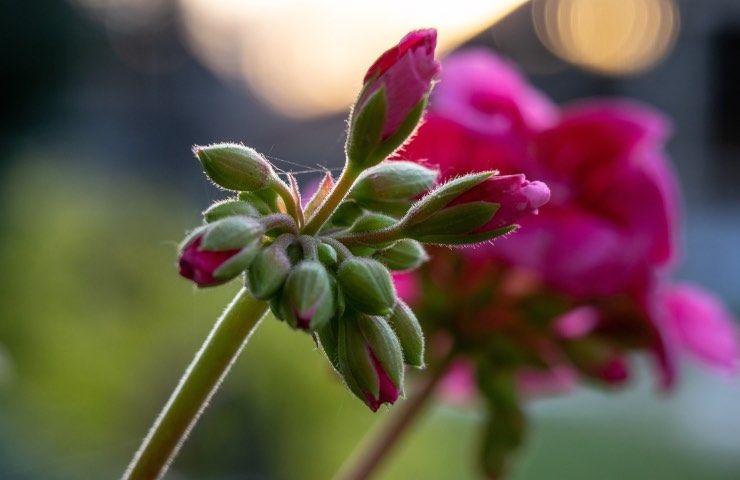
{"x":315,"y":283}
{"x":326,"y":268}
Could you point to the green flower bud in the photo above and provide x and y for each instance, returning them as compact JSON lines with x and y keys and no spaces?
{"x":327,"y":255}
{"x":454,"y":225}
{"x":231,"y":233}
{"x":407,"y":328}
{"x":235,"y":167}
{"x":391,"y":186}
{"x":238,"y":263}
{"x":405,"y":254}
{"x":264,"y":204}
{"x":367,"y":286}
{"x":347,"y":212}
{"x":278,"y":307}
{"x":371,"y":222}
{"x":269,"y":269}
{"x":308,"y":296}
{"x":329,"y":340}
{"x":442,"y":196}
{"x":370,"y":359}
{"x":228,"y":208}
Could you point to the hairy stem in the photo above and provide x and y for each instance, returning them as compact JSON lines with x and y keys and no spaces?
{"x":286,"y":194}
{"x":200,"y":381}
{"x":389,"y":234}
{"x":332,"y":201}
{"x":366,"y":459}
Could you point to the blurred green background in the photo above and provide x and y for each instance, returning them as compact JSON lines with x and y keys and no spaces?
{"x":97,"y":186}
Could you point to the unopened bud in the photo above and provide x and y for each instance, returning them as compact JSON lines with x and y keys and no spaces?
{"x":392,"y":100}
{"x":391,"y":186}
{"x":474,"y":208}
{"x":264,"y":201}
{"x":443,"y":195}
{"x":308,"y":296}
{"x":235,"y":167}
{"x":370,"y":359}
{"x":367,"y":285}
{"x":371,"y":222}
{"x":329,"y":340}
{"x":346,"y":214}
{"x":404,"y":255}
{"x":228,"y":208}
{"x":214,"y":266}
{"x":231,"y":233}
{"x":409,"y":333}
{"x":269,"y":269}
{"x":326,"y":254}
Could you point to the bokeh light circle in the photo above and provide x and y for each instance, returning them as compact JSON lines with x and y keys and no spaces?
{"x":612,"y":37}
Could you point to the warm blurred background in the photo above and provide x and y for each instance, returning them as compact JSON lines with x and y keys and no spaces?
{"x":101,"y":101}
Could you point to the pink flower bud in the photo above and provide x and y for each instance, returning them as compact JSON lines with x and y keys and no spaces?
{"x":515,"y":195}
{"x":199,"y":265}
{"x":406,"y":71}
{"x":388,"y":392}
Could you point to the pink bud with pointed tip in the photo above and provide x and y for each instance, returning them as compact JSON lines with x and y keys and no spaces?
{"x":406,"y":71}
{"x":387,"y":391}
{"x":516,"y":196}
{"x":199,"y":265}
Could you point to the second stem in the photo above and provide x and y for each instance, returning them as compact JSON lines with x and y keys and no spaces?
{"x":364,"y":463}
{"x":330,"y":204}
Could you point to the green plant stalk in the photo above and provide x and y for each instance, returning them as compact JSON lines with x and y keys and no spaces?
{"x":199,"y":383}
{"x":293,"y":210}
{"x":389,"y":234}
{"x":330,"y":204}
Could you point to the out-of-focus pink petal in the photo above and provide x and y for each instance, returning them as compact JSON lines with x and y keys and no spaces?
{"x":577,"y":252}
{"x":614,"y":371}
{"x":488,"y":95}
{"x":558,"y":379}
{"x":458,"y":386}
{"x":702,"y":326}
{"x":407,"y":286}
{"x":482,"y":116}
{"x":577,"y":322}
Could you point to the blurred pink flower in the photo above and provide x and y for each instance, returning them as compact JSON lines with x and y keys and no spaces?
{"x":577,"y":322}
{"x":600,"y":246}
{"x":407,"y":286}
{"x":406,"y":72}
{"x":558,"y":379}
{"x":458,"y":386}
{"x":482,"y":116}
{"x":700,"y":325}
{"x":613,"y":215}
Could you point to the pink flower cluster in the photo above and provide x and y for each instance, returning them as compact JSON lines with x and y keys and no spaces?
{"x":603,"y":246}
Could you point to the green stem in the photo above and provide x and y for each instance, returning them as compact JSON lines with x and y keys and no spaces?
{"x":286,"y":194}
{"x":330,"y":204}
{"x":366,"y":460}
{"x":389,"y":234}
{"x":200,"y":381}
